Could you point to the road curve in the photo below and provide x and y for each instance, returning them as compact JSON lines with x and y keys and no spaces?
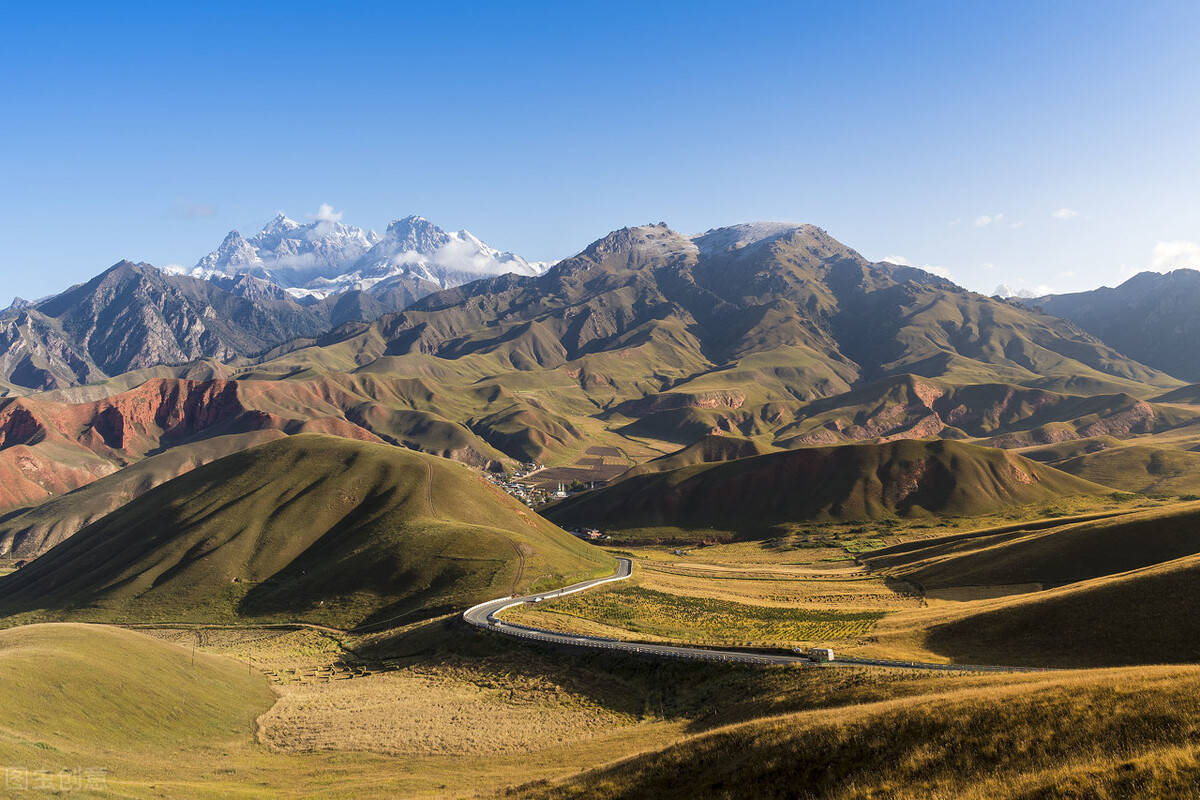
{"x":485,"y":616}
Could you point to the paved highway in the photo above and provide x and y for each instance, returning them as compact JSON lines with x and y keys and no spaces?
{"x":485,"y":616}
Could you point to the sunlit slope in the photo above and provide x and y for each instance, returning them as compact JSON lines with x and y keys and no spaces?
{"x":848,"y":482}
{"x":29,"y":533}
{"x":1118,"y":733}
{"x":1146,"y":616}
{"x":1139,"y":468}
{"x":709,"y":449}
{"x":78,"y":696}
{"x":1049,"y":557}
{"x":313,"y":528}
{"x":1108,"y":592}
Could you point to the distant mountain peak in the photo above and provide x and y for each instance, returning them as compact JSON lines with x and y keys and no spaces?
{"x":234,"y":251}
{"x":326,"y":256}
{"x":417,"y":234}
{"x":735,"y":237}
{"x":280,"y":224}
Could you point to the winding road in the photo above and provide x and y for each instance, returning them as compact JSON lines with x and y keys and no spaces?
{"x":485,"y":616}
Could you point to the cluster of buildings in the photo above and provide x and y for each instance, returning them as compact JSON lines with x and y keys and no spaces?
{"x":588,"y":534}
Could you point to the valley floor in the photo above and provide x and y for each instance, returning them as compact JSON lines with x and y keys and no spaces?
{"x":440,"y":709}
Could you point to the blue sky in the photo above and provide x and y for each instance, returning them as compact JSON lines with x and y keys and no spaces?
{"x":1037,"y":144}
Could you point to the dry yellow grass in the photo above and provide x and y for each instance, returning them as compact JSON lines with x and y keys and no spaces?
{"x":1093,"y":734}
{"x":866,"y":593}
{"x":640,"y":612}
{"x":450,"y":710}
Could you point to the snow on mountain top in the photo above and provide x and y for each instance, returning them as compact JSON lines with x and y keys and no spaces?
{"x":326,"y":256}
{"x":735,"y":237}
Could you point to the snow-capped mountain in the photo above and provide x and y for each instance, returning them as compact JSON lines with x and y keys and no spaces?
{"x":326,"y":257}
{"x":290,"y":253}
{"x":415,"y":246}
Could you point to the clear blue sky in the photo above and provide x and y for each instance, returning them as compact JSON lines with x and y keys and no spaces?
{"x":946,"y":133}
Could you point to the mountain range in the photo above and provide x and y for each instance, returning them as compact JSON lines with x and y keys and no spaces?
{"x":646,"y":342}
{"x":1151,"y":317}
{"x":327,"y":257}
{"x":288,"y":281}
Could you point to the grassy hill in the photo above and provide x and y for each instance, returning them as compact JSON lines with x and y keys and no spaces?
{"x":1105,"y":592}
{"x":706,"y":450}
{"x":1050,"y":557}
{"x":1139,"y":617}
{"x":74,"y":696}
{"x":1117,"y":733}
{"x":1139,"y":468}
{"x":312,"y":528}
{"x":848,"y":482}
{"x":28,"y":533}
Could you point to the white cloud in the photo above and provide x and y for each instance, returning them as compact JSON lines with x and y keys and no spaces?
{"x":1022,"y":291}
{"x":1070,"y":273}
{"x":941,"y":272}
{"x":1018,"y":224}
{"x":1175,"y":255}
{"x":901,"y":260}
{"x":1065,"y":213}
{"x":983,"y":220}
{"x":326,"y":214}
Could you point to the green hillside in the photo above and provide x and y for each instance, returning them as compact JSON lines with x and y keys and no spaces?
{"x":848,"y":482}
{"x":706,"y":450}
{"x":78,"y":696}
{"x":312,"y":528}
{"x":1107,"y":734}
{"x":1139,"y":468}
{"x":1050,"y":557}
{"x":30,"y":532}
{"x":1139,"y":617}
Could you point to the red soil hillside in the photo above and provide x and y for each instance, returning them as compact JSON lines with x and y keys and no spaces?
{"x":48,"y":447}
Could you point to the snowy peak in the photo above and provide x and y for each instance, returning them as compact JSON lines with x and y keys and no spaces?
{"x":326,"y":256}
{"x":289,"y":252}
{"x":415,"y":246}
{"x":279,"y":226}
{"x":234,"y":251}
{"x":416,"y":234}
{"x":735,"y":237}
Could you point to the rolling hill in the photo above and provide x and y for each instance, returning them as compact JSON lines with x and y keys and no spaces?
{"x":1115,"y":733}
{"x":709,"y":449}
{"x":1105,"y":592}
{"x":27,"y":533}
{"x":1139,"y":468}
{"x":1136,"y":617}
{"x":49,"y":445}
{"x":313,"y":528}
{"x":848,"y":482}
{"x":97,"y":698}
{"x":1048,"y":556}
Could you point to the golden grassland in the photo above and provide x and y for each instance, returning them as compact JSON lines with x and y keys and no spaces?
{"x":438,"y":709}
{"x":859,"y":593}
{"x":446,"y":711}
{"x":1108,"y":734}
